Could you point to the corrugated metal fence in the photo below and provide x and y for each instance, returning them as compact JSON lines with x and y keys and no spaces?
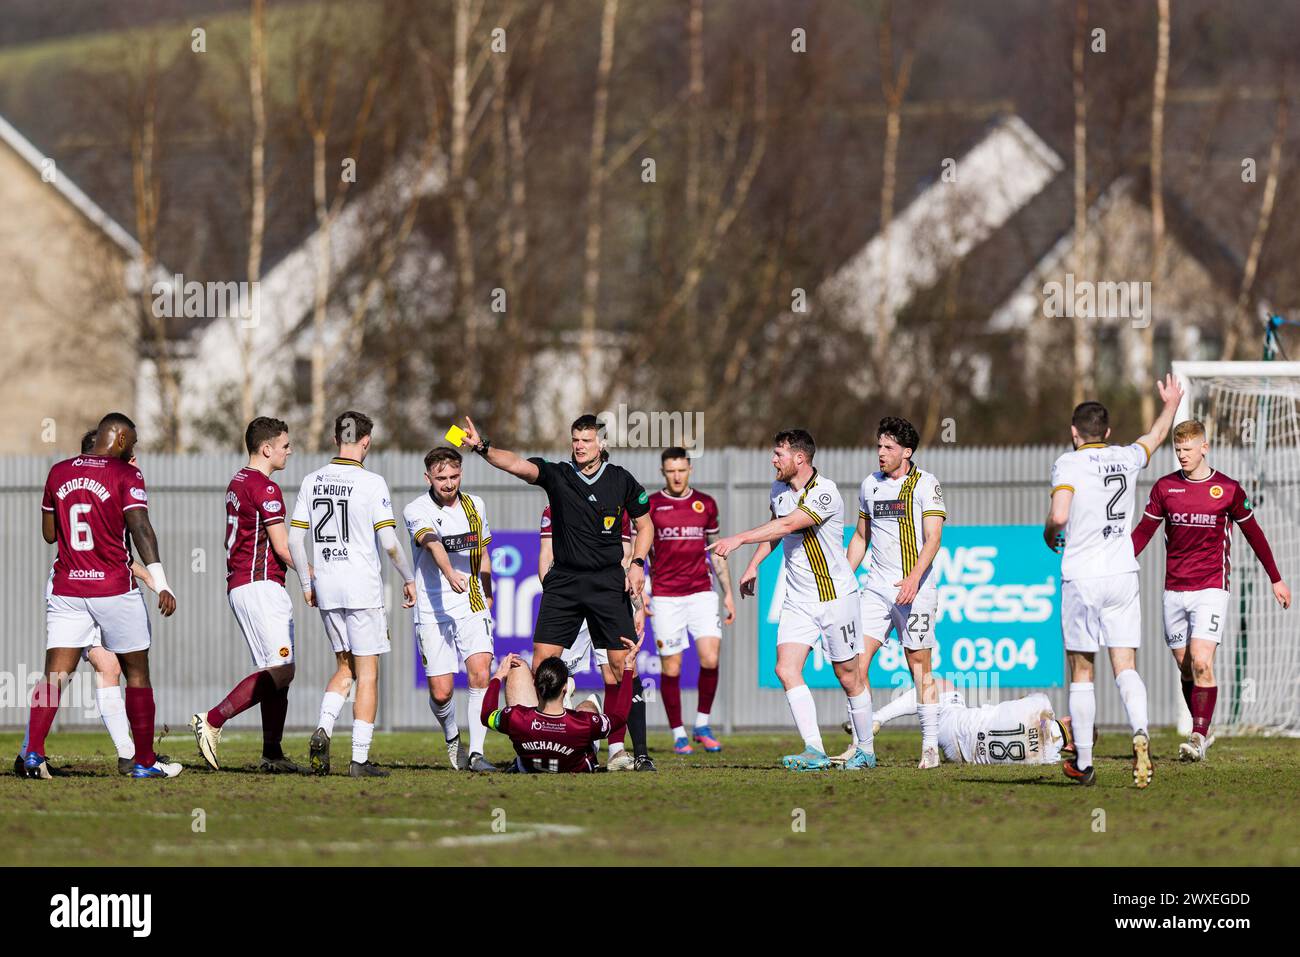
{"x":198,"y":654}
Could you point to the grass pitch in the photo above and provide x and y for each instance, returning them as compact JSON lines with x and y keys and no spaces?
{"x":736,"y":807}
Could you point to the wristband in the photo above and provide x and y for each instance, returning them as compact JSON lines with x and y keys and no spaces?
{"x":159,"y":578}
{"x":639,"y":561}
{"x":483,"y":446}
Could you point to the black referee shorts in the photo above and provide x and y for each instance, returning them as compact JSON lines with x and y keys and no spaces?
{"x":569,"y":597}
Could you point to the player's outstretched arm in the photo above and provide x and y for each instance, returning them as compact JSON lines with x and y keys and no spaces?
{"x":502,"y":459}
{"x":1171,"y":393}
{"x":768,"y":532}
{"x":146,"y":543}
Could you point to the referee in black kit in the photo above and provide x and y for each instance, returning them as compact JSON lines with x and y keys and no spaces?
{"x":588,"y":496}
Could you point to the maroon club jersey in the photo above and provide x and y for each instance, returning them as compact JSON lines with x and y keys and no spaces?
{"x":1198,"y":517}
{"x":546,"y":524}
{"x":90,"y":496}
{"x":678,"y":563}
{"x":552,"y":743}
{"x":253,"y":503}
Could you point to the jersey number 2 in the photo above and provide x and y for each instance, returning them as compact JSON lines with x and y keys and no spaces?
{"x":1113,"y":513}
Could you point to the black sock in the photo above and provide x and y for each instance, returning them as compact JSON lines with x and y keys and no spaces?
{"x":636,"y":722}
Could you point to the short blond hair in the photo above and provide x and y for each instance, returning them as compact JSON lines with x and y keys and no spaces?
{"x":1189,"y":431}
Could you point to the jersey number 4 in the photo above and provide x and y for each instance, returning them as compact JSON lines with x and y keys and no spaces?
{"x":328,"y":505}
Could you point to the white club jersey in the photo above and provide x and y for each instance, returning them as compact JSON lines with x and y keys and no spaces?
{"x":463,"y":530}
{"x":1103,"y":479}
{"x":895,"y":510}
{"x":342,"y":506}
{"x":816,"y":568}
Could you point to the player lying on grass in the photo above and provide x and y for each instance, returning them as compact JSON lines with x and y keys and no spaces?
{"x":548,"y":737}
{"x":1197,"y":505}
{"x":1022,"y":731}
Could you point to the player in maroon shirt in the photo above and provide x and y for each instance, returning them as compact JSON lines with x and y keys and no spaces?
{"x":257,"y":554}
{"x":90,"y":504}
{"x":684,"y":603}
{"x":1198,"y":505}
{"x":547,"y":736}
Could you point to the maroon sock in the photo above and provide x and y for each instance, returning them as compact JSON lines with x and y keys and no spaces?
{"x":45,"y":705}
{"x":274,"y":709}
{"x":615,"y":737}
{"x":671,"y":686}
{"x":255,"y":688}
{"x":140,"y":713}
{"x":1187,"y":692}
{"x":708,"y":688}
{"x":1203,"y":700}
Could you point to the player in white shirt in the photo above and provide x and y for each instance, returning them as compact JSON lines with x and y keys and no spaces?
{"x":901,"y":515}
{"x":342,"y":519}
{"x":821,"y":595}
{"x":1020,"y":731}
{"x":1090,"y":523}
{"x":453,"y":608}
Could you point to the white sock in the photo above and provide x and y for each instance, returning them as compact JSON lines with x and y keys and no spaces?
{"x":446,"y":716}
{"x":112,"y":711}
{"x":330,"y":706}
{"x":860,"y":715}
{"x":904,"y":704}
{"x":929,"y":718}
{"x":680,"y":732}
{"x":477,"y":729}
{"x":804,"y":710}
{"x":363,"y":732}
{"x":1133,"y":692}
{"x":701,"y":719}
{"x":1083,"y":713}
{"x":615,"y":747}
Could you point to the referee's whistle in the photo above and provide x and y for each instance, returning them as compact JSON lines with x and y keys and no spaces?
{"x":456,"y":435}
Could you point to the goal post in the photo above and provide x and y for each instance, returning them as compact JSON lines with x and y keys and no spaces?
{"x":1251,"y":412}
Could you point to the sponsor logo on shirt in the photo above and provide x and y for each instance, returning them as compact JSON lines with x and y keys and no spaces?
{"x":460,"y":543}
{"x":892,"y":508}
{"x":337,"y":553}
{"x":140,"y":495}
{"x":272,"y":506}
{"x":546,"y":521}
{"x":1192,"y":518}
{"x":86,"y":574}
{"x":95,"y":463}
{"x":643,"y":497}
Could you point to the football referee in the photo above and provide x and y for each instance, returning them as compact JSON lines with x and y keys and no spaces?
{"x":589,"y":580}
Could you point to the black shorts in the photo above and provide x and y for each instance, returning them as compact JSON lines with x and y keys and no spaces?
{"x":569,"y":597}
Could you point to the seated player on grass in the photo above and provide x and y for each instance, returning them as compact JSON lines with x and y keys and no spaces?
{"x":547,"y":736}
{"x":1021,"y":731}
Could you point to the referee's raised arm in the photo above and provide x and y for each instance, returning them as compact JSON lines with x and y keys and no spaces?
{"x":505,"y":460}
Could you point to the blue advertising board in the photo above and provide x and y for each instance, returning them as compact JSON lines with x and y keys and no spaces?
{"x":998,"y":618}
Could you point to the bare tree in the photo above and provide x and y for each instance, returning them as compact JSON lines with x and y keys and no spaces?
{"x":1082,"y":371}
{"x":1157,"y":204}
{"x":1238,"y":324}
{"x":257,"y":198}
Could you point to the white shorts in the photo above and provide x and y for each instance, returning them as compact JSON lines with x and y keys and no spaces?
{"x":362,"y":631}
{"x":1195,"y":614}
{"x":575,"y":658}
{"x":883,"y":619}
{"x":676,"y":616}
{"x":446,"y":643}
{"x":119,"y":622}
{"x":834,"y":623}
{"x":1101,"y":612}
{"x":265,"y":615}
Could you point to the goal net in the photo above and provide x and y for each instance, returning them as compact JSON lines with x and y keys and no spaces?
{"x":1251,"y":412}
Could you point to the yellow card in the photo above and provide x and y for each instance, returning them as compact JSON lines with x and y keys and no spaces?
{"x":456,"y":435}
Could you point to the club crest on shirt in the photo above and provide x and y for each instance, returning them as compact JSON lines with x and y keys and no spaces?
{"x":697,"y":505}
{"x":1216,"y":491}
